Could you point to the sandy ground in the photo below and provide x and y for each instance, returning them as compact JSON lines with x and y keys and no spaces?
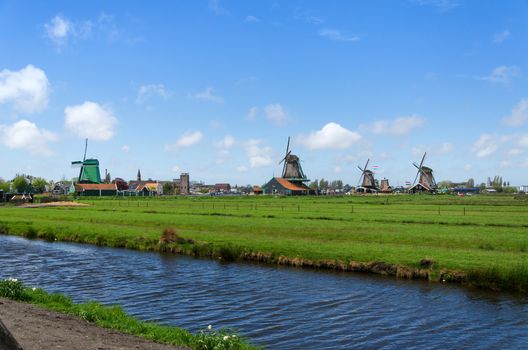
{"x":39,"y":329}
{"x":54,"y":204}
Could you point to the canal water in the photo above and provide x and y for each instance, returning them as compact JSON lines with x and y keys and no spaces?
{"x":280,"y":308}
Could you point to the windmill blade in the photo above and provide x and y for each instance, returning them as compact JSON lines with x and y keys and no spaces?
{"x":423,"y":158}
{"x":288,"y":145}
{"x":85,"y":149}
{"x":366,"y":164}
{"x":416,"y":177}
{"x":286,"y":156}
{"x":361,"y":169}
{"x":416,"y":166}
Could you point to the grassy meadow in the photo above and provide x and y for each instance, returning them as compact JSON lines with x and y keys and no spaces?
{"x":482,"y":238}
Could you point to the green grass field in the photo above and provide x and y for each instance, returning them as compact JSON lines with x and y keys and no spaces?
{"x":484,"y":237}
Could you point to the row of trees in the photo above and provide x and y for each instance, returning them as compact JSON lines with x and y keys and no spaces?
{"x":329,"y":185}
{"x":497,"y":184}
{"x":25,"y":184}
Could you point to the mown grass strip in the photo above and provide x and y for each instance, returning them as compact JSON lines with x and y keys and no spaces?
{"x":114,"y":317}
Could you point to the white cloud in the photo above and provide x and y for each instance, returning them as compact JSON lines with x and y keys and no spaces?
{"x":502,"y":74}
{"x":486,"y":145}
{"x":523,"y":140}
{"x":90,"y":120}
{"x":26,"y":135}
{"x":519,"y":115}
{"x":176,"y":169}
{"x":147,"y":91}
{"x":514,"y":152}
{"x":337,"y":169}
{"x":468,"y":167}
{"x":258,"y":156}
{"x":501,"y":36}
{"x":216,"y":8}
{"x":445,"y":148}
{"x":275,"y":113}
{"x":59,"y":29}
{"x":251,"y":19}
{"x":27,"y":89}
{"x":332,"y":135}
{"x":252,"y":114}
{"x":208,"y":95}
{"x":242,"y":169}
{"x":307,"y":16}
{"x":397,"y":127}
{"x":188,"y":139}
{"x":337,"y":35}
{"x":125,"y":148}
{"x":441,"y":5}
{"x":227,"y":142}
{"x":438,"y":150}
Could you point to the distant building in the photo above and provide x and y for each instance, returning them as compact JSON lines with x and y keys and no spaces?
{"x":465,"y":190}
{"x":523,"y":188}
{"x":256,"y":190}
{"x":93,"y":190}
{"x":222,"y":188}
{"x":61,"y":187}
{"x":144,"y":188}
{"x":184,"y":184}
{"x":281,"y":186}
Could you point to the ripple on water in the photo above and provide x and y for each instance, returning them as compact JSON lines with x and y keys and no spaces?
{"x":284,"y":308}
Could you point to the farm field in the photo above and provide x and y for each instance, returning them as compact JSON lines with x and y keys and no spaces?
{"x":483,"y":237}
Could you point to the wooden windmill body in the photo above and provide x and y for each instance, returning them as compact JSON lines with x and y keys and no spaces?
{"x":426,"y":181}
{"x":367,"y":182}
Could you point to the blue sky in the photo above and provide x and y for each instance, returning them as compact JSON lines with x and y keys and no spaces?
{"x":214,"y":88}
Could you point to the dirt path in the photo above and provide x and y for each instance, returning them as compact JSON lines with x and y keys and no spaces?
{"x":54,"y":204}
{"x":39,"y":329}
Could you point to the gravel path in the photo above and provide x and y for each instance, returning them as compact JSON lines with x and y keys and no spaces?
{"x":40,"y":329}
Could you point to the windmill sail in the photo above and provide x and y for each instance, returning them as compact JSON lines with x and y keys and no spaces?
{"x":292,"y":169}
{"x":425,"y":177}
{"x":367,"y":180}
{"x":89,"y":168}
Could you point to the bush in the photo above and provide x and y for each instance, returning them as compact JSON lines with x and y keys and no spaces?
{"x":168,"y":236}
{"x":210,"y":339}
{"x":12,"y":288}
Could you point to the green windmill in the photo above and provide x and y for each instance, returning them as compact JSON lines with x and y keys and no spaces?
{"x":89,"y":172}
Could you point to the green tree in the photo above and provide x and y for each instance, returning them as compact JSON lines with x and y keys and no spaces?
{"x":168,"y":188}
{"x":314,"y":185}
{"x":4,"y":185}
{"x":39,"y":184}
{"x":470,"y":183}
{"x":20,"y":183}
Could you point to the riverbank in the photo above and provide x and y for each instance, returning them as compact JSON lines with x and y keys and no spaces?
{"x":36,"y":328}
{"x":480,"y":241}
{"x":40,"y":320}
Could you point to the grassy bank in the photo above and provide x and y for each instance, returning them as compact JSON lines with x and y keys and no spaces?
{"x":479,"y":240}
{"x":115,"y":318}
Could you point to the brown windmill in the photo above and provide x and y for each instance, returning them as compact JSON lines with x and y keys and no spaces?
{"x":292,"y":170}
{"x":426,"y":181}
{"x":367,"y":182}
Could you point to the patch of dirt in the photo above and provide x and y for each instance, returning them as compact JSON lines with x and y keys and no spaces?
{"x":54,"y":204}
{"x":36,"y":328}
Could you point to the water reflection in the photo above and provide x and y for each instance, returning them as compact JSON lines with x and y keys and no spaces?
{"x":283,"y":308}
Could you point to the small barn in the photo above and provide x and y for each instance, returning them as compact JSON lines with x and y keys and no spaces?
{"x":94,"y":190}
{"x":281,"y":186}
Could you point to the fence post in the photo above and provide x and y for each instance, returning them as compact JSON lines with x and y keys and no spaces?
{"x":464,"y":211}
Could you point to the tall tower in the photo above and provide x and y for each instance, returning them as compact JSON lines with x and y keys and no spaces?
{"x":184,"y":184}
{"x":139,"y":175}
